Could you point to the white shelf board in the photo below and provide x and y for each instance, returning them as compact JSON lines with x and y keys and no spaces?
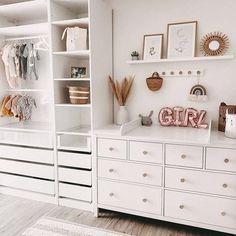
{"x":73,"y":105}
{"x":83,"y":22}
{"x":23,"y":30}
{"x":82,"y":131}
{"x":25,"y":90}
{"x":72,"y":79}
{"x":206,"y":58}
{"x":74,"y":5}
{"x":28,"y":126}
{"x":25,"y":11}
{"x":79,"y":54}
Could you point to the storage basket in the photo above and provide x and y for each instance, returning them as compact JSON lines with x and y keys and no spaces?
{"x":222,"y":114}
{"x":79,"y":95}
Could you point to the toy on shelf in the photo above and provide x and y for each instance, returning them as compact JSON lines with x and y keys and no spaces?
{"x":146,"y":120}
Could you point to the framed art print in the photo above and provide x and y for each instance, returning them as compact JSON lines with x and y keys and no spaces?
{"x":152,"y":46}
{"x":181,"y":39}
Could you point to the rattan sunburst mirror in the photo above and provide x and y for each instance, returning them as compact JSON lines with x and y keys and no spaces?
{"x":214,"y":44}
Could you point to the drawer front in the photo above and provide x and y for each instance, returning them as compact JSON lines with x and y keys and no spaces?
{"x":27,"y":154}
{"x":179,"y":155}
{"x":223,"y":184}
{"x":128,"y":196}
{"x":221,"y":159}
{"x":75,"y":192}
{"x":75,"y":176}
{"x":28,"y":169}
{"x":125,"y":171}
{"x":112,"y":148}
{"x":202,"y":209}
{"x":74,"y":160}
{"x":25,"y":183}
{"x":146,"y":152}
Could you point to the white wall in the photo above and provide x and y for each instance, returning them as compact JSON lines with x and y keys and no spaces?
{"x":134,"y":18}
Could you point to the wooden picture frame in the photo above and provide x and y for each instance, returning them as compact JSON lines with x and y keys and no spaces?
{"x":181,"y":39}
{"x":153,"y":46}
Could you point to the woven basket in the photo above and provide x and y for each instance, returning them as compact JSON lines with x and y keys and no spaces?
{"x":222,"y":115}
{"x":79,"y":95}
{"x":154,"y":82}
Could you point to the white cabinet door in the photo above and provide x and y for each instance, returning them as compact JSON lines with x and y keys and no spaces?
{"x":112,"y":148}
{"x":180,"y":155}
{"x":201,"y":181}
{"x":132,"y":172}
{"x":137,"y":198}
{"x":202,"y":209}
{"x":221,"y":159}
{"x":146,"y":152}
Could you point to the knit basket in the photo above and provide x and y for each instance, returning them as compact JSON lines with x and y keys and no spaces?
{"x":79,"y":95}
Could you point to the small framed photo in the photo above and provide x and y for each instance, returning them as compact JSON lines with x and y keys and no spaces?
{"x":181,"y":39}
{"x":78,"y":72}
{"x":152,"y":46}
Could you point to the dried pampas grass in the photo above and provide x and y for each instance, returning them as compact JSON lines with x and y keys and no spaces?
{"x":121,"y":91}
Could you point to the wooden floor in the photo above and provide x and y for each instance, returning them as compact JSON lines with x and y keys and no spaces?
{"x":17,"y":214}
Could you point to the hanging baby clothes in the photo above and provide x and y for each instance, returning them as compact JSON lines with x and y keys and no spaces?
{"x":4,"y":111}
{"x":20,"y":63}
{"x":9,"y":66}
{"x":25,"y":107}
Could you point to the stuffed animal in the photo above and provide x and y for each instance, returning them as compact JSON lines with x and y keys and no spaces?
{"x":146,"y":120}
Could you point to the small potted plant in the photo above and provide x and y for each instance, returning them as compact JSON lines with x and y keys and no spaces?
{"x":135,"y":55}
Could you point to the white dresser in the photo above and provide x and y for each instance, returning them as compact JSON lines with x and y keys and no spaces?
{"x":180,"y":181}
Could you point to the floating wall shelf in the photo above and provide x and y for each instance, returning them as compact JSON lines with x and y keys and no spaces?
{"x":216,"y":58}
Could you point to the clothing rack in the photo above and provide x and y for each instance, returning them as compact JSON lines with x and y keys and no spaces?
{"x":41,"y":38}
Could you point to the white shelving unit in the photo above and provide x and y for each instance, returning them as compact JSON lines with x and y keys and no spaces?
{"x":193,"y":59}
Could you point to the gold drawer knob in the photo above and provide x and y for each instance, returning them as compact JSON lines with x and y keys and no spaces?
{"x":225,"y":185}
{"x":111,"y":194}
{"x":111,"y":149}
{"x":181,"y":206}
{"x":145,"y":152}
{"x":145,"y":174}
{"x":226,"y":160}
{"x":223,"y":213}
{"x":182,"y":180}
{"x":144,"y":200}
{"x":183,"y":156}
{"x":111,"y":170}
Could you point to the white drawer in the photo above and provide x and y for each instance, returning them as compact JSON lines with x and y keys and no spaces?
{"x":26,"y":183}
{"x":27,"y":154}
{"x":74,"y":160}
{"x":112,"y":148}
{"x":221,"y":159}
{"x":125,"y":171}
{"x":202,"y":209}
{"x":146,"y":152}
{"x":199,"y":181}
{"x":179,"y":155}
{"x":128,"y":196}
{"x":75,"y":176}
{"x":75,"y":192}
{"x":28,"y":169}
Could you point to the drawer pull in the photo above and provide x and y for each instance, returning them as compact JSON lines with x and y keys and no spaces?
{"x":223,"y":213}
{"x":111,"y":149}
{"x":145,"y":174}
{"x":145,"y":152}
{"x":111,"y":194}
{"x":111,"y":170}
{"x":183,"y":156}
{"x":145,"y":200}
{"x":225,"y":185}
{"x":226,"y":160}
{"x":182,"y":180}
{"x":181,"y":206}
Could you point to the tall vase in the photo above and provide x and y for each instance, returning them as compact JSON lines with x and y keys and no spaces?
{"x":122,"y":115}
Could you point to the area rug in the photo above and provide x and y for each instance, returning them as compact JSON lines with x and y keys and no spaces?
{"x":55,"y":227}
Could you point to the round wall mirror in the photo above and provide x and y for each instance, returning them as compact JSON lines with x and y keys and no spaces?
{"x":214,"y":44}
